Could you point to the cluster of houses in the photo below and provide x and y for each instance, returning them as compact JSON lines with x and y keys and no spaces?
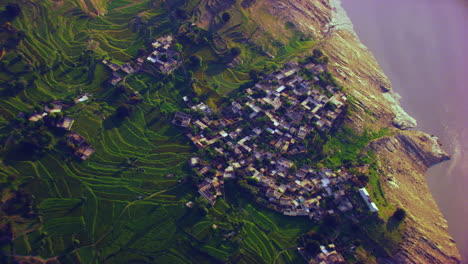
{"x":81,"y":148}
{"x":118,"y":71}
{"x":327,"y":255}
{"x":162,"y":56}
{"x":254,"y":135}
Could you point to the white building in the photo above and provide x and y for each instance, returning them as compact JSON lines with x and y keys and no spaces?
{"x":365,"y":196}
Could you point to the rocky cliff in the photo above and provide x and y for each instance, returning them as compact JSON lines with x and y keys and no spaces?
{"x":404,"y":157}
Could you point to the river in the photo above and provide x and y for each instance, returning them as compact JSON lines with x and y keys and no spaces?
{"x":421,"y":46}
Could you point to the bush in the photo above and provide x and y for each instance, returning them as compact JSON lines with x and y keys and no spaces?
{"x":123,"y":111}
{"x":235,"y":51}
{"x":226,"y":16}
{"x":399,"y":215}
{"x":195,"y":61}
{"x":312,"y":247}
{"x":182,"y":14}
{"x":12,"y":11}
{"x":178,"y":47}
{"x":253,"y":74}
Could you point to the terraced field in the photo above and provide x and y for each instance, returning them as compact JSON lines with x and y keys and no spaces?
{"x":126,"y":204}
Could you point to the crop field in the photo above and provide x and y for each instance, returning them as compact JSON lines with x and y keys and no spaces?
{"x":104,"y":206}
{"x":126,"y":204}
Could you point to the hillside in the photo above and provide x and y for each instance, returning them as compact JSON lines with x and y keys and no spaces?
{"x":129,"y":201}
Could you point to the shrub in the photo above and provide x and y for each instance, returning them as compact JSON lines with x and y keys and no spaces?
{"x":399,"y":215}
{"x":12,"y":11}
{"x":123,"y":111}
{"x":178,"y":47}
{"x":226,"y":16}
{"x":235,"y":51}
{"x":196,"y":61}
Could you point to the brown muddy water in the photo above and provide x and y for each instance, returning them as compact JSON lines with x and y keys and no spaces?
{"x":421,"y":46}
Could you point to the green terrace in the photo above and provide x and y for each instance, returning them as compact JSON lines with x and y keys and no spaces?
{"x":127,"y":203}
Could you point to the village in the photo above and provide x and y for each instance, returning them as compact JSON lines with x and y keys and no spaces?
{"x":253,"y":135}
{"x":81,"y":148}
{"x":163,"y":58}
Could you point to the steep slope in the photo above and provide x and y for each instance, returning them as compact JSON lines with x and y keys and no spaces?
{"x":404,"y":157}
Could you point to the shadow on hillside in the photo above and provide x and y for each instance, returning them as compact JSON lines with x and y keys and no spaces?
{"x":112,"y":122}
{"x":215,"y":68}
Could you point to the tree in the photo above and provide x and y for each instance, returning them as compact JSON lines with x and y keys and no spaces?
{"x":330,"y":106}
{"x":122,"y":88}
{"x":178,"y":47}
{"x":12,"y":11}
{"x":196,"y":61}
{"x":312,"y":247}
{"x":123,"y":111}
{"x":226,"y":16}
{"x":141,"y":52}
{"x":253,"y":74}
{"x":399,"y":215}
{"x":235,"y":51}
{"x":363,"y":179}
{"x":182,"y":14}
{"x":331,"y":221}
{"x":318,"y":53}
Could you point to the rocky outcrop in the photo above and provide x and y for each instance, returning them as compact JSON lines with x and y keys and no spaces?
{"x":404,"y":157}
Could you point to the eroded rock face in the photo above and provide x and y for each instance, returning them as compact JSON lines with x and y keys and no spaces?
{"x":403,"y":157}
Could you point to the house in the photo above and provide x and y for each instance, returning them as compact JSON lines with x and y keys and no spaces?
{"x":203,"y":108}
{"x":194,"y":161}
{"x":82,"y":98}
{"x":290,"y":72}
{"x":152,"y":58}
{"x":280,"y":89}
{"x":76,"y":138}
{"x":36,"y":117}
{"x":181,"y":119}
{"x":229,"y":173}
{"x":223,"y":133}
{"x":84,"y":152}
{"x":365,"y":196}
{"x":55,"y":108}
{"x":66,"y":123}
{"x":115,"y":79}
{"x":200,"y":124}
{"x":284,"y":164}
{"x":206,"y":190}
{"x":236,"y":107}
{"x":128,"y":68}
{"x":81,"y":148}
{"x":301,"y":174}
{"x":112,"y":66}
{"x":328,"y":256}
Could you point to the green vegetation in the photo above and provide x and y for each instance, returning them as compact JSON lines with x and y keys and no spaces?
{"x":346,"y":148}
{"x":126,"y":204}
{"x":118,"y":206}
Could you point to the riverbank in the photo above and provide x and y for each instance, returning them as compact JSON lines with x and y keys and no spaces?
{"x":421,"y":47}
